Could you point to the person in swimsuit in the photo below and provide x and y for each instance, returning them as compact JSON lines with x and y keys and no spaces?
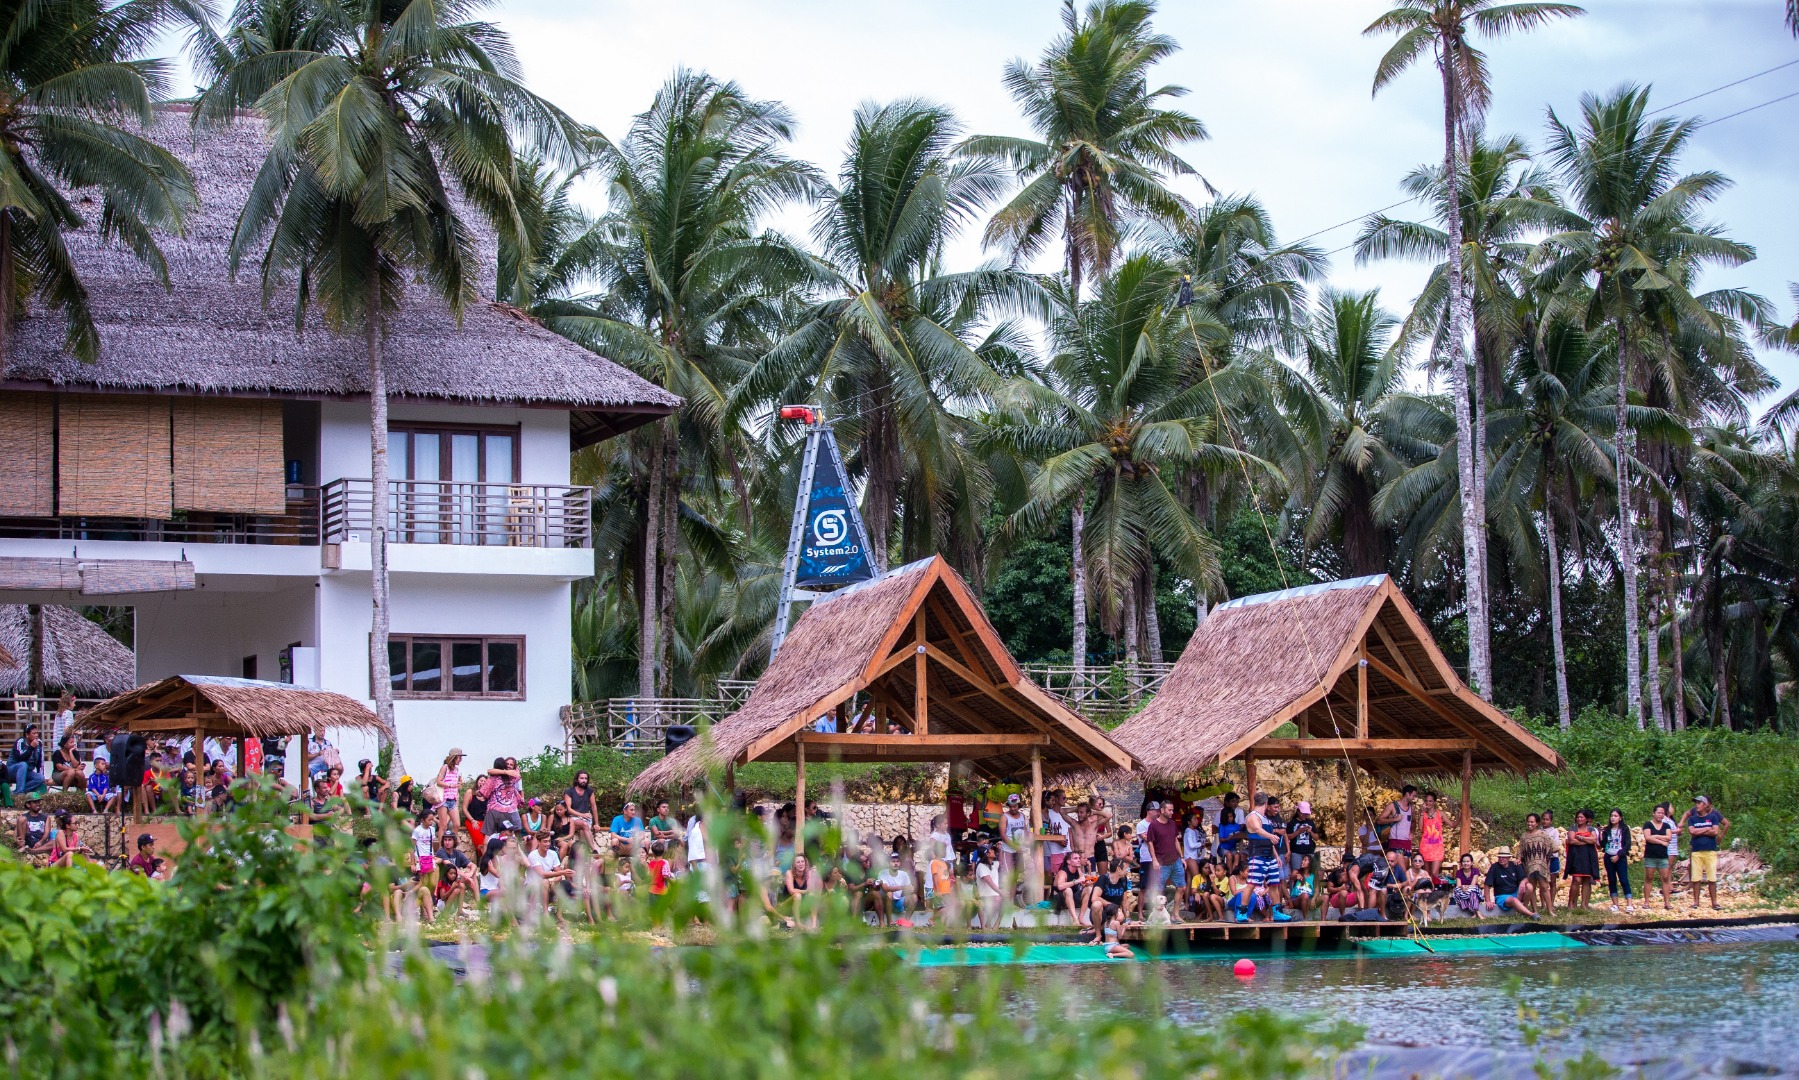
{"x":1431,"y":830}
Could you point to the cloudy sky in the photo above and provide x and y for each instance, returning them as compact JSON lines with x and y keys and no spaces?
{"x":1282,"y":86}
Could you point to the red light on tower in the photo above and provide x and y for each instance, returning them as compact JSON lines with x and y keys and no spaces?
{"x":797,"y":412}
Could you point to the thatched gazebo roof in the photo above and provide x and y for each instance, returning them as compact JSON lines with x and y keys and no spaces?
{"x":881,"y":637}
{"x":78,"y":654}
{"x":227,"y":708}
{"x":1295,"y":656}
{"x":209,"y":334}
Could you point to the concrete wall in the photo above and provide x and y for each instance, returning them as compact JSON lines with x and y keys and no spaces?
{"x":210,"y":630}
{"x":537,"y":608}
{"x":543,"y":436}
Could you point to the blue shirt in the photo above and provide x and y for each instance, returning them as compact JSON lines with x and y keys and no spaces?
{"x":1705,"y":842}
{"x":623,"y":827}
{"x":99,"y":784}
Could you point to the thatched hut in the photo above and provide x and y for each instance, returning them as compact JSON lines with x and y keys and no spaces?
{"x":77,"y":655}
{"x":234,"y":710}
{"x":915,"y":644}
{"x":212,"y":333}
{"x":1354,"y":669}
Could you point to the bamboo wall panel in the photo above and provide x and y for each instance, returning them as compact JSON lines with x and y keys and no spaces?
{"x":113,"y":456}
{"x":228,"y":456}
{"x":25,"y":572}
{"x":27,"y":455}
{"x":105,"y":576}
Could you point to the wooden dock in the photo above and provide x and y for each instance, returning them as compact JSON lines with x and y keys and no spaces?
{"x":1311,"y":934}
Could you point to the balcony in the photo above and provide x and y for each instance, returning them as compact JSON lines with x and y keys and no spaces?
{"x":460,"y":512}
{"x":298,"y":526}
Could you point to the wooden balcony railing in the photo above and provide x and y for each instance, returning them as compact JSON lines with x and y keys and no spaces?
{"x":299,"y":525}
{"x":459,"y":512}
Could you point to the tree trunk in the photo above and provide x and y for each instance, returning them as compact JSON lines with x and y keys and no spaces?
{"x":668,"y":550}
{"x":1627,"y":557}
{"x":1563,"y":712}
{"x":34,"y":618}
{"x":880,"y":456}
{"x":1720,"y":649}
{"x":8,"y":286}
{"x":381,"y":678}
{"x":646,"y":599}
{"x":1652,"y":637}
{"x":1480,"y":665}
{"x":1676,"y":657}
{"x":1079,"y":520}
{"x":1130,"y":636}
{"x":1152,"y":622}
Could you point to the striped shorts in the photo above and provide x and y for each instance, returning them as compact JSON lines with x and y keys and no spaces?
{"x":1264,"y":871}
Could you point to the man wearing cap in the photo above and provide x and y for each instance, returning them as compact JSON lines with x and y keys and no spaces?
{"x":1505,"y":880}
{"x":1302,"y":836}
{"x":145,"y":862}
{"x":1705,"y":825}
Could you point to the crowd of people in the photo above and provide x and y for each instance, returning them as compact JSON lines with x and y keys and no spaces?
{"x":1180,"y":858}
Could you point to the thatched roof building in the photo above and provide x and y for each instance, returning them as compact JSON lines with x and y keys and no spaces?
{"x":226,"y":708}
{"x":1297,"y":656}
{"x":212,"y":335}
{"x":78,"y":654}
{"x":942,"y":684}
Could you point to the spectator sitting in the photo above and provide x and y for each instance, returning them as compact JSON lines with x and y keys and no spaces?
{"x":65,"y":766}
{"x":101,"y":795}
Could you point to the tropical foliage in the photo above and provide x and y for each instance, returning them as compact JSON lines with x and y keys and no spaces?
{"x":1564,"y":447}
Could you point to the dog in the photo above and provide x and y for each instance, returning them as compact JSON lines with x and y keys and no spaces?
{"x":1430,"y":905}
{"x":1158,"y":911}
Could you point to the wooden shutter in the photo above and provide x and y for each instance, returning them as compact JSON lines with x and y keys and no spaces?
{"x":27,"y":455}
{"x":228,"y":456}
{"x":113,"y":455}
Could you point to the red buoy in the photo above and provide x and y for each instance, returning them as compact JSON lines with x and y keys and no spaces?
{"x":1244,"y":968}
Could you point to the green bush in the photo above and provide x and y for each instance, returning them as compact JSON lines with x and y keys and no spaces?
{"x":253,"y":961}
{"x":1752,"y":776}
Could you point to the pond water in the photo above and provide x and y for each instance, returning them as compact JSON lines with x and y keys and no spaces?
{"x":1680,"y":1010}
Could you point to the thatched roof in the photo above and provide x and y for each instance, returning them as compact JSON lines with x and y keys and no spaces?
{"x":212,"y":335}
{"x":1262,"y":661}
{"x":78,"y":655}
{"x":227,"y":707}
{"x":864,"y":638}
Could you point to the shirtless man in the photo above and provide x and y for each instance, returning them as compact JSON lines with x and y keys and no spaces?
{"x":1089,"y":823}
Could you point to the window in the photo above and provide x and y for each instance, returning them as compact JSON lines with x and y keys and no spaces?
{"x":424,"y":666}
{"x":451,"y":483}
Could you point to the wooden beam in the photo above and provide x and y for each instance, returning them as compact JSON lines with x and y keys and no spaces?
{"x":1351,"y":810}
{"x":1361,"y":697}
{"x":920,"y":684}
{"x":1249,"y":776}
{"x":1033,"y":853}
{"x":1328,"y":749}
{"x":1418,"y":693}
{"x":1467,"y":810}
{"x":996,"y":694}
{"x":1399,"y":659}
{"x":799,"y":795}
{"x":892,"y":662}
{"x":817,"y":740}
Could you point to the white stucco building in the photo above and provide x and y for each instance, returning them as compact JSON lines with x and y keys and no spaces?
{"x":211,"y":471}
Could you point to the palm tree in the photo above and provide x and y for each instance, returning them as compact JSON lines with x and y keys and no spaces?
{"x":1624,"y":265}
{"x":889,"y":347}
{"x":1551,"y":451}
{"x":1339,"y":410}
{"x":375,"y":114}
{"x":1104,"y":146}
{"x":70,"y":84}
{"x":1241,"y":275}
{"x":1104,"y":141}
{"x":1123,"y":416}
{"x":1444,"y":27}
{"x":682,"y":280}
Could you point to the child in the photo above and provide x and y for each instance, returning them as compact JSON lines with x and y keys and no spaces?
{"x":1302,"y":889}
{"x":1208,"y":889}
{"x":101,"y":795}
{"x":657,"y":865}
{"x":1468,"y":892}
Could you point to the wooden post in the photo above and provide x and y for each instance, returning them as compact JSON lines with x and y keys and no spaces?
{"x":1249,"y":778}
{"x":1361,"y":699}
{"x":920,"y":696}
{"x":799,"y":787}
{"x":731,"y":776}
{"x":305,"y":760}
{"x":1350,"y":810}
{"x":1467,"y":818}
{"x":843,"y":717}
{"x":199,"y":769}
{"x":1033,"y":853}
